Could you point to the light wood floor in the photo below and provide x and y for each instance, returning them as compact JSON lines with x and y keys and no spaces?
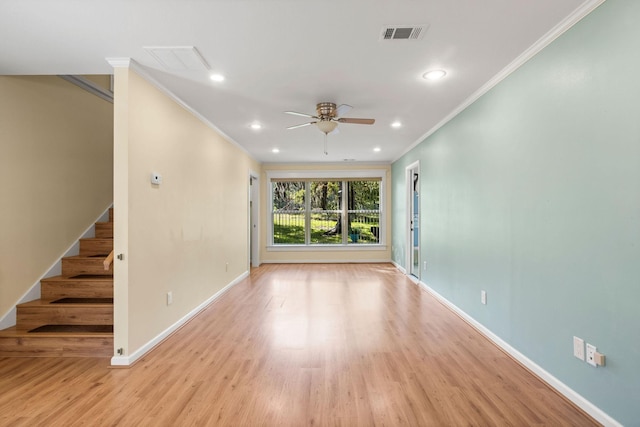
{"x":297,"y":345}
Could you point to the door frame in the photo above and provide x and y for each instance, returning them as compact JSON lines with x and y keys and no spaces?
{"x":254,"y":220}
{"x":409,"y":171}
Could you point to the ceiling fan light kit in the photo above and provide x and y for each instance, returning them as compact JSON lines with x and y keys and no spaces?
{"x":327,"y":118}
{"x":326,"y":126}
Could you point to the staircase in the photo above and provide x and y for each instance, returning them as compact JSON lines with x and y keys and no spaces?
{"x":74,"y":316}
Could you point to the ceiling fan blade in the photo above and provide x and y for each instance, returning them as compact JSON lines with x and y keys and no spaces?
{"x":343,"y":109}
{"x":300,"y":126}
{"x":357,"y":121}
{"x":295,"y":113}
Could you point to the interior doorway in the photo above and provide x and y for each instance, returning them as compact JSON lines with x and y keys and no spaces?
{"x":254,"y":220}
{"x":413,"y":219}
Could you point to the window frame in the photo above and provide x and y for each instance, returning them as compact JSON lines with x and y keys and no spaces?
{"x":328,"y":175}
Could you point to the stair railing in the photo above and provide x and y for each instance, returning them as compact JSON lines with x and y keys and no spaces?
{"x":108,"y":261}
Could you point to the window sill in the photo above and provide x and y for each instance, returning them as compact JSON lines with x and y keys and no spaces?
{"x":325,"y":248}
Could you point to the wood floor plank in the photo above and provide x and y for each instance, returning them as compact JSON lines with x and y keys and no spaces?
{"x":298,"y":345}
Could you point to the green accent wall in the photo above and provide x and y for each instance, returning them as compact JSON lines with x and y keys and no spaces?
{"x":533,"y":194}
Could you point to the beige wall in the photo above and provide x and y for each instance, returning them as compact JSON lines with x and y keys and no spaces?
{"x":55,"y":175}
{"x":382,"y":254}
{"x":189,"y":235}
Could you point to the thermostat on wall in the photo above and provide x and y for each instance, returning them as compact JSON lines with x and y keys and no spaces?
{"x":156,"y":178}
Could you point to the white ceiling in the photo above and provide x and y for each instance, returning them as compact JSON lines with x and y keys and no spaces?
{"x":280,"y":55}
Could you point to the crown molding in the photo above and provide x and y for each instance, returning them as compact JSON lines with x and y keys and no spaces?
{"x":119,"y":62}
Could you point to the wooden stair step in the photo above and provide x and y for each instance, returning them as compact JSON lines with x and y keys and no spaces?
{"x":104,"y":230}
{"x":58,"y":287}
{"x":17,"y":343}
{"x":74,"y":318}
{"x":85,"y":265}
{"x":76,"y":300}
{"x":37,"y":313}
{"x":93,"y":246}
{"x":61,"y":330}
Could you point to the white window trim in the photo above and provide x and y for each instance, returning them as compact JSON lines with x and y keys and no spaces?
{"x":328,"y":175}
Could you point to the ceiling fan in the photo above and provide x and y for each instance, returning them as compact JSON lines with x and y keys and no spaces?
{"x":327,"y":119}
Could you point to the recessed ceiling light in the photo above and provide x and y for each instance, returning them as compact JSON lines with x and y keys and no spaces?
{"x":217,"y":77}
{"x":396,"y":124}
{"x":256,"y":126}
{"x":377,"y":149}
{"x":275,"y":150}
{"x":434,"y":74}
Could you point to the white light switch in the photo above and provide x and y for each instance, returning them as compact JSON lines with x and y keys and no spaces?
{"x":156,"y":178}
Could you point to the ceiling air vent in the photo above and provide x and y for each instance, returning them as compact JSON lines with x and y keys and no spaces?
{"x":178,"y":58}
{"x":403,"y":32}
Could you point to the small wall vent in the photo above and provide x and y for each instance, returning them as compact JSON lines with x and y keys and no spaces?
{"x":403,"y":32}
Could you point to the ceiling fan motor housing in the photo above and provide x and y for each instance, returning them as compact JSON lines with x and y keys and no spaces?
{"x":326,"y":110}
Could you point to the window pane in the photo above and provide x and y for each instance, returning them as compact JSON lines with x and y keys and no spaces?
{"x":325,"y":228}
{"x":364,"y":212}
{"x":288,"y":212}
{"x":364,"y":195}
{"x":288,"y":228}
{"x":365,"y":227}
{"x":326,"y":198}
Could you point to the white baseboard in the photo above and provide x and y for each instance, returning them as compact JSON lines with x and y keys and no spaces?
{"x":326,"y":261}
{"x":545,"y":376}
{"x":399,"y":267}
{"x":130,"y":359}
{"x":9,"y":318}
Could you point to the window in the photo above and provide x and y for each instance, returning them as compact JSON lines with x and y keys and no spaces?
{"x":363,"y":214}
{"x":320,"y":212}
{"x":288,"y":212}
{"x":326,"y":212}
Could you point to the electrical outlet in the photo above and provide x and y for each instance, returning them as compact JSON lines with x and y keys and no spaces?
{"x":578,"y":348}
{"x":169,"y":298}
{"x":226,"y":266}
{"x":483,"y":297}
{"x":425,"y":265}
{"x":591,"y":355}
